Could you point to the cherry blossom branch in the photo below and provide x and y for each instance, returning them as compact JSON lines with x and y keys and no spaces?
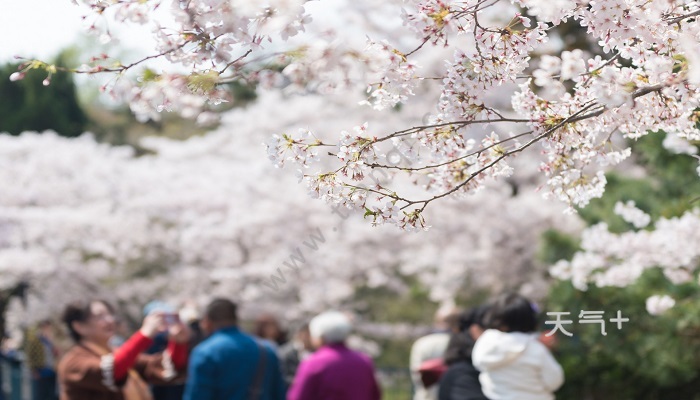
{"x":392,"y":195}
{"x":589,"y":110}
{"x":118,"y":69}
{"x":126,"y":67}
{"x":571,"y":119}
{"x":501,"y":157}
{"x":375,"y":165}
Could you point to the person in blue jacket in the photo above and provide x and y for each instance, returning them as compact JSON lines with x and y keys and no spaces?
{"x":230,"y":364}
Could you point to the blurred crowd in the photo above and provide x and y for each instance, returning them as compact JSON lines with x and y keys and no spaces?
{"x":488,"y":352}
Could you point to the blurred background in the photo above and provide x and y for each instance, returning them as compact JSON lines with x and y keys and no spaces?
{"x":197,"y":211}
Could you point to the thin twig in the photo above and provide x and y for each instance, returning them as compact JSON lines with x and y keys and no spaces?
{"x":374,"y":165}
{"x":682,"y":17}
{"x":235,"y":61}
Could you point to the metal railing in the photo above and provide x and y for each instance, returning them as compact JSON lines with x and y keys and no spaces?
{"x":15,"y":380}
{"x":396,"y":383}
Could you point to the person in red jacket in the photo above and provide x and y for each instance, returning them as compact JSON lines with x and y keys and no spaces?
{"x":90,"y":370}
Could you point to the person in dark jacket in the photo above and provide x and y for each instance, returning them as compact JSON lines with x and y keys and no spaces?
{"x":461,"y":380}
{"x":292,"y":353}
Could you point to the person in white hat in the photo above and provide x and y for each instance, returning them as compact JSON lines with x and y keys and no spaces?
{"x":334,"y":371}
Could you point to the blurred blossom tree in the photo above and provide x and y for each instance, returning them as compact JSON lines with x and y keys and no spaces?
{"x":209,"y":216}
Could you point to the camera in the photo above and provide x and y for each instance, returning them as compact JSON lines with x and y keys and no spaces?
{"x":171,"y":319}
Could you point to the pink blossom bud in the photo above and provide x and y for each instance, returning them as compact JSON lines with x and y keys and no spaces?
{"x":17,"y":76}
{"x":46,"y":82}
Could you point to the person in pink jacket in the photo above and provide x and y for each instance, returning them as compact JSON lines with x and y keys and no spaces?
{"x":334,"y":372}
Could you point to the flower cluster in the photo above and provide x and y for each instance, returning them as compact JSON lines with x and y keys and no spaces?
{"x":609,"y":259}
{"x":500,"y":55}
{"x":284,"y":147}
{"x":188,"y":95}
{"x":630,"y":213}
{"x":397,"y":78}
{"x":433,"y":19}
{"x":657,"y":305}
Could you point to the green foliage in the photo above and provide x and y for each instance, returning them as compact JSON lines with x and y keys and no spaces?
{"x":412,"y":306}
{"x":382,"y":304}
{"x":396,"y":384}
{"x":651,"y":357}
{"x":242,"y":93}
{"x":675,"y":174}
{"x":642,"y":191}
{"x":557,"y":246}
{"x":394,"y":352}
{"x":120,"y":127}
{"x":668,"y":191}
{"x":28,"y":105}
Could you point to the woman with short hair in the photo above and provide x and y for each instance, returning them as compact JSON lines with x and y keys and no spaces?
{"x":90,"y":370}
{"x":334,"y":371}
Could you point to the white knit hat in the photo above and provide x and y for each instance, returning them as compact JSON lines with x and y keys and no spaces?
{"x":331,"y":326}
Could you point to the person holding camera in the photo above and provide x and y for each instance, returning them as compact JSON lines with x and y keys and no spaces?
{"x":90,"y":370}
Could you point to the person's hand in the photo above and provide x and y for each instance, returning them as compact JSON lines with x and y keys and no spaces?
{"x":153,"y":324}
{"x":550,"y":342}
{"x":179,"y":332}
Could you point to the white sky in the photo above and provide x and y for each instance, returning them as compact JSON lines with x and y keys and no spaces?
{"x":37,"y":28}
{"x":42,"y":28}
